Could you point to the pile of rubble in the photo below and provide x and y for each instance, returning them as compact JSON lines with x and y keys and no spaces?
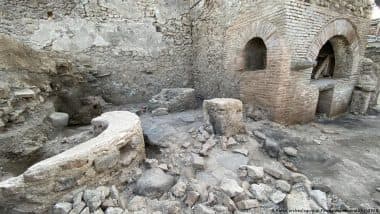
{"x":212,"y":171}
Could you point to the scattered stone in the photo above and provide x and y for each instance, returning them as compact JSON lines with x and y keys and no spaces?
{"x":261,"y":136}
{"x":85,"y":211}
{"x":160,"y":112}
{"x":254,"y":172}
{"x":78,"y":208}
{"x":283,"y":185}
{"x":163,"y":167}
{"x":104,"y":191}
{"x":224,"y":115}
{"x":92,"y":199}
{"x":151,"y":163}
{"x":113,"y":210}
{"x":289,"y":165}
{"x":179,"y":189}
{"x":187,"y":118}
{"x":260,"y":191}
{"x":137,"y":203}
{"x":99,"y":211}
{"x":231,"y":187}
{"x":297,"y":200}
{"x":203,"y":209}
{"x":277,"y":197}
{"x":109,"y":202}
{"x":221,"y":209}
{"x":154,"y":182}
{"x":231,"y":142}
{"x":247,"y":204}
{"x":320,"y":198}
{"x":276,"y":173}
{"x":59,"y":119}
{"x":192,"y":198}
{"x":25,"y":93}
{"x":272,"y":148}
{"x":322,"y":187}
{"x":241,"y":151}
{"x":77,"y":198}
{"x":197,"y":161}
{"x":62,"y":208}
{"x":211,"y":142}
{"x":291,"y":151}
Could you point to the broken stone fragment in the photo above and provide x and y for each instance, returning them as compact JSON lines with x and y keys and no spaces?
{"x":277,"y":197}
{"x":260,"y":136}
{"x":297,"y":200}
{"x":211,"y":142}
{"x":85,"y":211}
{"x":93,"y":199}
{"x":231,"y":187}
{"x":231,"y":142}
{"x":59,"y":119}
{"x":291,"y":151}
{"x":179,"y":189}
{"x":224,"y":115}
{"x":283,"y":185}
{"x":260,"y":191}
{"x":78,"y":208}
{"x":320,"y":198}
{"x":77,"y":198}
{"x":272,"y":148}
{"x":137,"y":203}
{"x":241,"y":151}
{"x":192,"y":198}
{"x":197,"y":161}
{"x":25,"y":93}
{"x":154,"y":182}
{"x":62,"y":208}
{"x":113,"y":210}
{"x":203,"y":209}
{"x":160,"y":111}
{"x":274,"y":172}
{"x":98,"y":211}
{"x":254,"y":172}
{"x":247,"y":204}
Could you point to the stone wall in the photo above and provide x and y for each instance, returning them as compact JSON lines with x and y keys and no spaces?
{"x":130,"y":49}
{"x":106,"y":159}
{"x":294,"y":32}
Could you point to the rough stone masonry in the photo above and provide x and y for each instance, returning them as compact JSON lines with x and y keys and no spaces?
{"x":130,"y":50}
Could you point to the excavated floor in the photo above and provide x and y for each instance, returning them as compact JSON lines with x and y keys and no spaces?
{"x":343,"y":154}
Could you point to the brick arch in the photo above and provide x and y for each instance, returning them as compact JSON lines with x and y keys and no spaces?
{"x":238,"y":36}
{"x":337,"y":28}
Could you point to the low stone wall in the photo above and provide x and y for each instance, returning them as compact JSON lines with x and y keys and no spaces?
{"x":105,"y":159}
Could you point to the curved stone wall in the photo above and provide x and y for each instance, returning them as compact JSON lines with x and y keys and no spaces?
{"x":100,"y":161}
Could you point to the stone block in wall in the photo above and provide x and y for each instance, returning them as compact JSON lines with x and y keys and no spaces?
{"x":174,"y":99}
{"x":100,"y":160}
{"x":360,"y":101}
{"x":224,"y":115}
